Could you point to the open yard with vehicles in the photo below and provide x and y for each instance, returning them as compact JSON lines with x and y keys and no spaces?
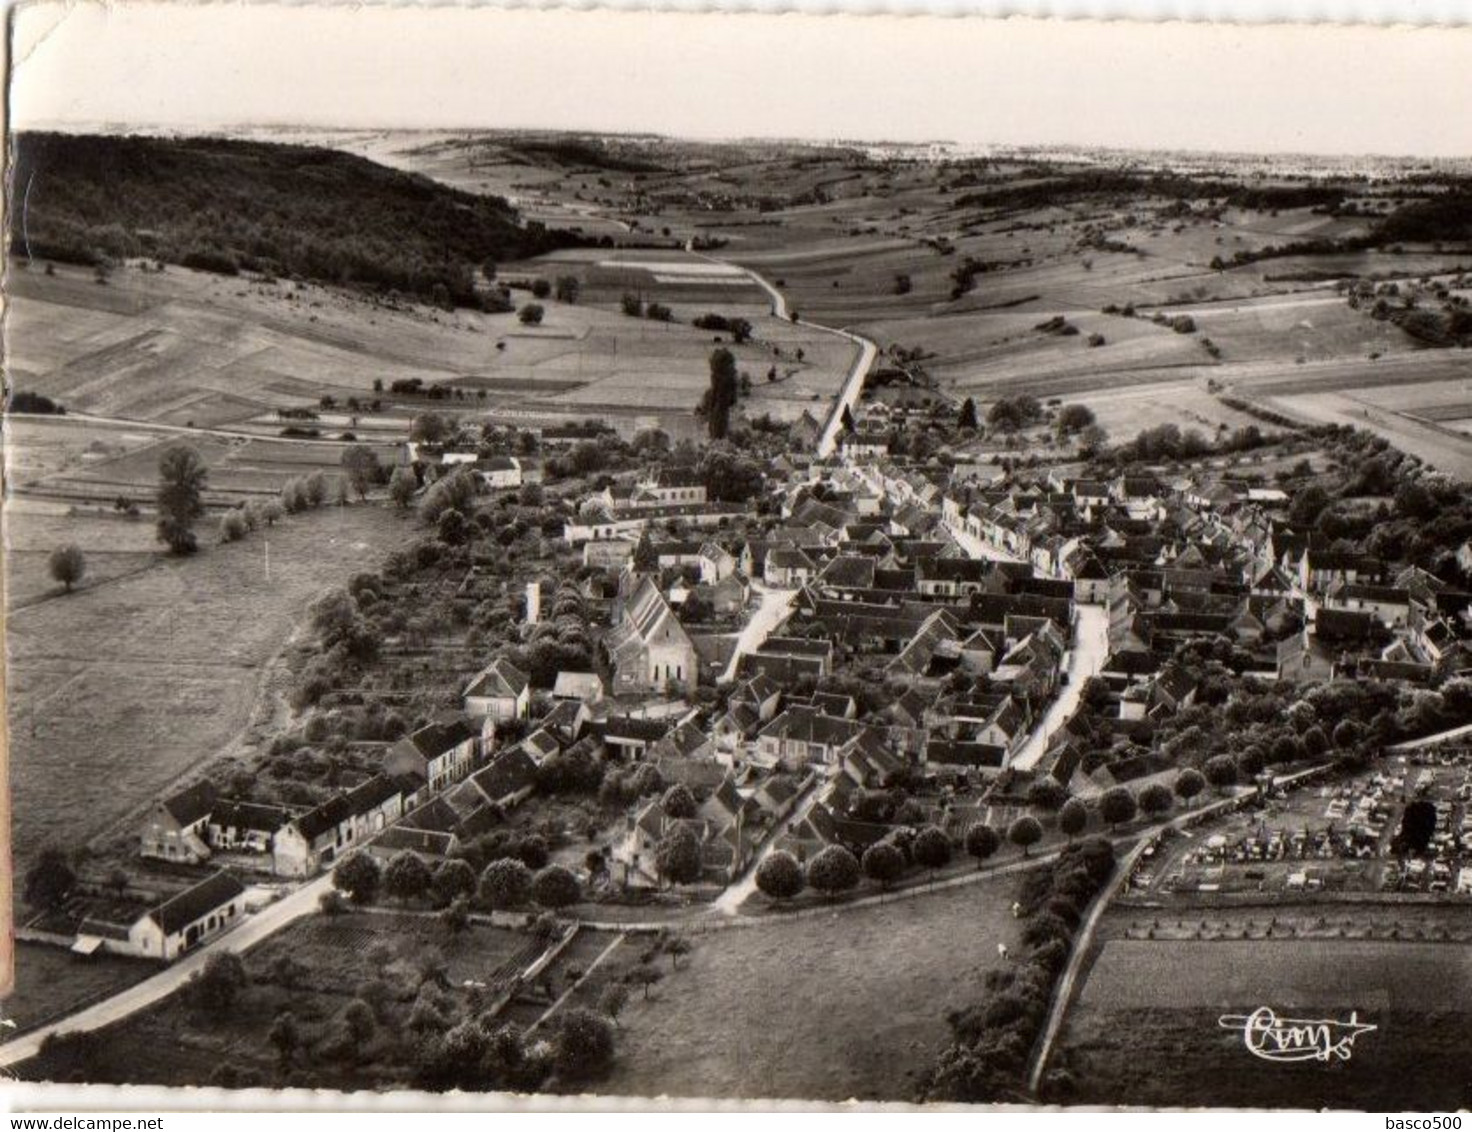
{"x":762,"y":1011}
{"x":123,"y":688}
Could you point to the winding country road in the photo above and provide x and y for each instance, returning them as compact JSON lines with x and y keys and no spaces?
{"x":853,"y":385}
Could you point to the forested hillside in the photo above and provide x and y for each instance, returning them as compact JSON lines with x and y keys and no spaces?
{"x":228,"y":206}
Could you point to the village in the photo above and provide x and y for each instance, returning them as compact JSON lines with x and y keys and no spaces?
{"x":863,"y":650}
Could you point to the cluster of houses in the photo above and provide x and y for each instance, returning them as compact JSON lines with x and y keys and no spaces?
{"x":952,"y":590}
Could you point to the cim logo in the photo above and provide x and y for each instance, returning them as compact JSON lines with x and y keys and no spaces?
{"x":1295,"y":1039}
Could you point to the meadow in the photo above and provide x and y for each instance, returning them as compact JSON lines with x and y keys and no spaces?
{"x":155,"y":668}
{"x":826,"y":1007}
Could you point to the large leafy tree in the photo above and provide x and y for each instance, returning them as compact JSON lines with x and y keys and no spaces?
{"x":181,"y":481}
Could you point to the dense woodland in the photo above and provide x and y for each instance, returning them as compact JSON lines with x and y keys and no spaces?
{"x":229,"y":206}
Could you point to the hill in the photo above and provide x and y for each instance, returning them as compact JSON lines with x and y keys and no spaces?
{"x":227,"y":206}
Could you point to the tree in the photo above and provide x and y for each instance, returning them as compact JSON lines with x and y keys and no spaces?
{"x":931,"y":848}
{"x":1156,"y":799}
{"x":506,"y":883}
{"x":846,"y":420}
{"x":271,"y":512}
{"x":541,"y":288}
{"x":1073,"y":818}
{"x":883,"y":863}
{"x":644,"y":977}
{"x":49,"y":880}
{"x":285,"y":1036}
{"x":1047,"y":793}
{"x":1221,"y":772}
{"x":182,"y":477}
{"x":613,"y":999}
{"x":429,"y":428}
{"x":359,"y":876}
{"x":555,"y":887}
{"x":1025,"y":832}
{"x":232,"y":525}
{"x":456,"y":915}
{"x":678,"y":801}
{"x":632,"y":305}
{"x":833,"y":870}
{"x":568,"y":288}
{"x":722,"y":394}
{"x":677,"y":856}
{"x":981,"y":842}
{"x":1091,"y":440}
{"x":780,"y":876}
{"x":360,"y":465}
{"x":1117,"y":805}
{"x":406,"y":877}
{"x":402,"y":485}
{"x":220,"y":982}
{"x":67,"y":565}
{"x":453,"y":880}
{"x":360,"y":1021}
{"x":1073,"y":418}
{"x":531,"y":314}
{"x":453,"y":528}
{"x":968,"y":418}
{"x":676,"y":949}
{"x":1189,"y":783}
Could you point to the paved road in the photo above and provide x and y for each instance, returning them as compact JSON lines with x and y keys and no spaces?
{"x":1090,"y":649}
{"x":773,"y":609}
{"x":979,"y":548}
{"x":254,"y":928}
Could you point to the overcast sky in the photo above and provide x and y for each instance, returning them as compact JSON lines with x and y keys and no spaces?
{"x":1198,"y":86}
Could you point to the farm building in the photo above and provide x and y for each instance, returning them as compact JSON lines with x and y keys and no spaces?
{"x":318,"y":838}
{"x":175,"y":829}
{"x":174,"y":927}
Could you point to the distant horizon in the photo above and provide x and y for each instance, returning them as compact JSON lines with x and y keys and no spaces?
{"x":240,"y":129}
{"x":1220,"y":89}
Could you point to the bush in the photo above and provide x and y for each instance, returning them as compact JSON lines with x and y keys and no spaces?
{"x":531,"y":314}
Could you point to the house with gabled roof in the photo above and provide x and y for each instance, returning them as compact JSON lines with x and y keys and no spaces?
{"x":499,"y":691}
{"x":176,"y":826}
{"x":441,"y":752}
{"x":801,"y":735}
{"x":175,"y":926}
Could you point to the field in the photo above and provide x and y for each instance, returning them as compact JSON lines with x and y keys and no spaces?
{"x":189,"y":349}
{"x":158,"y":665}
{"x":1403,"y":968}
{"x":836,"y":1006}
{"x":51,"y":982}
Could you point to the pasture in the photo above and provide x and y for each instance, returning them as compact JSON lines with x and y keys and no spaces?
{"x":775,"y":1010}
{"x":157,"y":667}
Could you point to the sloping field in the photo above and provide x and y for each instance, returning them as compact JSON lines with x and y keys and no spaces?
{"x":825,"y":1008}
{"x":120,"y":688}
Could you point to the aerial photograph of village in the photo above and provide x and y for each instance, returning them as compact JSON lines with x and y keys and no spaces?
{"x":538,"y":610}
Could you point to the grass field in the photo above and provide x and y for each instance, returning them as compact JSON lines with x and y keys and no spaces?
{"x":50,"y":981}
{"x":845,"y":1005}
{"x":1156,"y":1002}
{"x":122,"y":687}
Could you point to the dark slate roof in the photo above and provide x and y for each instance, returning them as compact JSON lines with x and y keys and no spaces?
{"x":194,"y":903}
{"x":192,"y":803}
